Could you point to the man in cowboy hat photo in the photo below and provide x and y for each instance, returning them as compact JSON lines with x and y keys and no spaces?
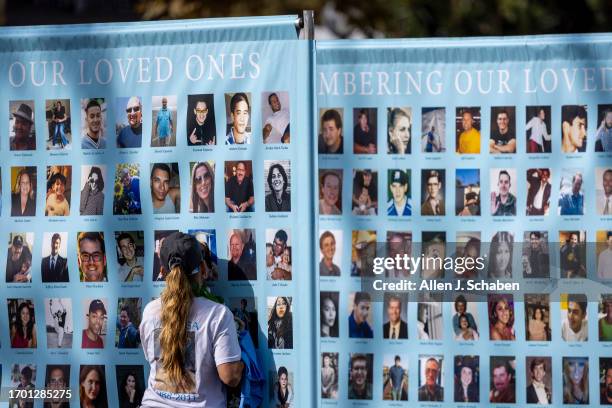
{"x":23,"y":121}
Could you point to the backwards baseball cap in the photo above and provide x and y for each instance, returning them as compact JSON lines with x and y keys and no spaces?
{"x":96,"y":305}
{"x":17,"y":241}
{"x":399,"y":176}
{"x":181,"y":249}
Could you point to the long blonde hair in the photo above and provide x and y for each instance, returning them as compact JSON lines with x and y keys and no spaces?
{"x":176,"y":301}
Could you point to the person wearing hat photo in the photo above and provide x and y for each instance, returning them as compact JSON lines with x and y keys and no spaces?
{"x":23,"y":136}
{"x":92,"y":336}
{"x":178,"y":326}
{"x":399,"y":203}
{"x":18,"y":261}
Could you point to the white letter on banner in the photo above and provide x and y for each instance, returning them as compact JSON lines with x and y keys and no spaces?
{"x":366,"y":83}
{"x":143,"y":69}
{"x":397,"y":82}
{"x":123,"y":70}
{"x":568,"y":82}
{"x":254,"y":63}
{"x":237,"y":66}
{"x":527,"y":81}
{"x":589,"y":77}
{"x":110,"y":71}
{"x":158,"y":61}
{"x":350,"y":83}
{"x":438,"y":85}
{"x":479,"y":81}
{"x":555,"y":80}
{"x":469,"y":82}
{"x":212,"y":63}
{"x":32,"y":66}
{"x":188,"y":71}
{"x":23,"y":74}
{"x":503,"y":76}
{"x":83,"y":82}
{"x":330,"y":87}
{"x":383,"y":82}
{"x":416,"y":84}
{"x":58,"y":70}
{"x":603,"y":79}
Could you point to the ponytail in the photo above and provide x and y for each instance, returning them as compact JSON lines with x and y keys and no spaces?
{"x":176,"y":301}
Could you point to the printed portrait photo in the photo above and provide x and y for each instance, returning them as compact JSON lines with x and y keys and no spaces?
{"x":571,"y":192}
{"x":93,"y":123}
{"x":395,"y":377}
{"x":208,"y":244}
{"x":365,"y":192}
{"x":280,"y":322}
{"x":126,"y":199}
{"x":502,"y":184}
{"x":275,"y":117}
{"x":535,"y":257}
{"x":398,"y":243}
{"x":360,"y":315}
{"x":399,"y":201}
{"x":278,"y":254}
{"x":605,"y":382}
{"x":331,"y":138}
{"x":22,"y":377}
{"x":434,"y":251}
{"x":201,"y":127}
{"x":95,"y":323}
{"x":57,"y":377}
{"x":129,"y":315}
{"x":329,"y":375}
{"x":501,"y":317}
{"x":165,"y":188}
{"x":395,"y":316}
{"x":59,"y":325}
{"x":467,"y":130}
{"x":364,"y":131}
{"x":23,"y":191}
{"x":574,"y":319}
{"x":466,"y":379}
{"x":92,"y":190}
{"x":22,"y":132}
{"x":92,"y":386}
{"x":277,"y":185}
{"x":244,"y":309}
{"x":361,"y":376}
{"x":537,"y":317}
{"x":128,"y":121}
{"x":330,"y":191}
{"x":281,"y":387}
{"x":467,"y":192}
{"x":573,"y":254}
{"x":54,"y":262}
{"x":59,"y":124}
{"x":91,"y":257}
{"x":239,"y":191}
{"x":465,"y":319}
{"x":503,"y":130}
{"x":238,"y":118}
{"x":158,"y":239}
{"x":433,"y":130}
{"x":202,"y":187}
{"x":399,"y":130}
{"x":329,"y":302}
{"x":59,"y":186}
{"x":468,"y":246}
{"x":502,"y":382}
{"x":538,"y":129}
{"x":19,"y":257}
{"x":603,"y":134}
{"x":573,"y":128}
{"x":130,"y":385}
{"x":163,"y":116}
{"x":363,"y":252}
{"x":500,"y":255}
{"x":603,"y":253}
{"x":604,"y":317}
{"x":538,"y":191}
{"x":538,"y":372}
{"x":430,"y":322}
{"x":241,"y":255}
{"x":330,"y":247}
{"x":431,"y":378}
{"x":22,"y":323}
{"x":129,"y":250}
{"x":603,"y":190}
{"x":575,"y":380}
{"x":432,"y":192}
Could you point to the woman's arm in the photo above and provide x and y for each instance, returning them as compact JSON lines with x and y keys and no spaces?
{"x":231,"y":373}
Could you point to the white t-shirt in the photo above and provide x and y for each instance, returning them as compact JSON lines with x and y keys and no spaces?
{"x":212,"y":340}
{"x":279,"y":121}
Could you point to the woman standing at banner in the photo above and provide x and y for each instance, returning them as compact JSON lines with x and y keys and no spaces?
{"x":178,"y":326}
{"x":240,"y":111}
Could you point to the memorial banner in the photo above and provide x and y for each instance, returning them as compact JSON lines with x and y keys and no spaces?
{"x":465,"y":221}
{"x":114,"y":136}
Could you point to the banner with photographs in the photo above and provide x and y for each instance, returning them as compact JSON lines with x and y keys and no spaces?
{"x":465,"y":221}
{"x":117,"y":135}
